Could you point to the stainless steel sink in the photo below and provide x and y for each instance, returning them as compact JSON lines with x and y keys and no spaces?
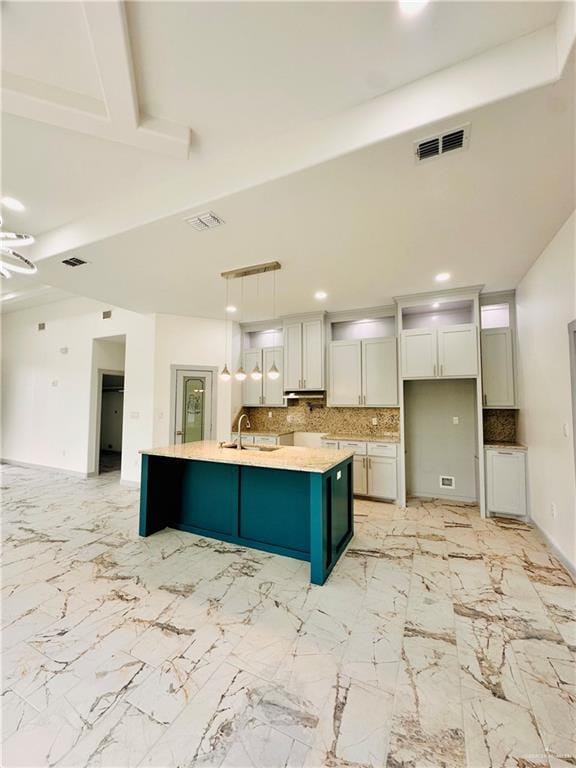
{"x":265,"y":448}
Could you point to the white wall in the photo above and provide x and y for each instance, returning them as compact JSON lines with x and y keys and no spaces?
{"x":49,"y":399}
{"x":546,"y":303}
{"x":191,"y":342}
{"x":49,"y":404}
{"x":434,"y":444}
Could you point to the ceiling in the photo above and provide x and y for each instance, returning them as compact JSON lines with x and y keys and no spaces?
{"x":295,"y":123}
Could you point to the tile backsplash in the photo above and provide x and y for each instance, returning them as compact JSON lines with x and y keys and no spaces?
{"x":313,"y":416}
{"x":499,"y":425}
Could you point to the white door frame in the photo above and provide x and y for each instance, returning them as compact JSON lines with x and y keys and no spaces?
{"x":101,"y":372}
{"x":209,"y":434}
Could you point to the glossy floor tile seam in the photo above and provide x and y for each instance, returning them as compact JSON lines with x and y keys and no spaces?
{"x":439,"y":639}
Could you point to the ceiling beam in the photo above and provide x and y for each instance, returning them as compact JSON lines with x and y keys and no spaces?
{"x":117,"y":117}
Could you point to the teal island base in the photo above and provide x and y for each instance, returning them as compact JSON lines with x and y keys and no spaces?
{"x":305,"y":515}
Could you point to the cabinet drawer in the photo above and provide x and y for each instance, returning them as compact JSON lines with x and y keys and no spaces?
{"x":359,"y":448}
{"x":382,"y":449}
{"x":265,"y":440}
{"x":330,"y":444}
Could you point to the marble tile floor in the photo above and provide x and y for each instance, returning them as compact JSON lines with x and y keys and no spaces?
{"x":439,"y":640}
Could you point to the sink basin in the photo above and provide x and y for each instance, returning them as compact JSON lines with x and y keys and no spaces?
{"x":266,"y":448}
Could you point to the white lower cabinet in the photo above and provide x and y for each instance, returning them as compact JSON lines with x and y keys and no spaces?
{"x":360,"y":478}
{"x":375,"y":468}
{"x":382,"y":481}
{"x":506,"y":482}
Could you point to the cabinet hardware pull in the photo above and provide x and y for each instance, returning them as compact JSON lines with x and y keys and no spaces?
{"x":364,"y":463}
{"x":441,"y":369}
{"x":369,"y":463}
{"x":434,"y":369}
{"x":304,"y":383}
{"x":359,"y":400}
{"x":485,"y":399}
{"x":506,"y":453}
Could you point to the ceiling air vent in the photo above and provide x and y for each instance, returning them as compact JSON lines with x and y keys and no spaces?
{"x":203,"y":221}
{"x":74,"y":262}
{"x":450,"y":141}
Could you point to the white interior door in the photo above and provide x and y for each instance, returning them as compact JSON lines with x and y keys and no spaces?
{"x":193,"y":417}
{"x":379,"y":372}
{"x":345,"y":373}
{"x":458,"y":350}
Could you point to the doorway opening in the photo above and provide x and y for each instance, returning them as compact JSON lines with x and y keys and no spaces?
{"x":111,"y":417}
{"x":193,"y":406}
{"x":109,"y":354}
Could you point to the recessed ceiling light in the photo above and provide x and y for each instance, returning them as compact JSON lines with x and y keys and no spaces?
{"x":436,"y":305}
{"x":320,"y":295}
{"x":441,"y":277}
{"x":230,"y":308}
{"x":12,"y":204}
{"x":412,"y":7}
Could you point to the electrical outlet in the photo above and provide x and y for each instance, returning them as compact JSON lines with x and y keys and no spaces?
{"x":374,"y":422}
{"x":269,"y":414}
{"x":553,"y":510}
{"x":455,"y":420}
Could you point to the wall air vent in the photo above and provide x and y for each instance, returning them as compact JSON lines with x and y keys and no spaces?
{"x":203,"y":221}
{"x":74,"y":262}
{"x":107,"y":314}
{"x":447,"y":482}
{"x":450,"y":141}
{"x":41,"y":326}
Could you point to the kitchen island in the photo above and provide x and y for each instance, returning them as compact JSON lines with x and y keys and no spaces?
{"x":287,"y":500}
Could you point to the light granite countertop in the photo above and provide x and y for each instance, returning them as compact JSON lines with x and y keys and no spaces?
{"x":265,"y":432}
{"x":507,"y":446}
{"x":285,"y":457}
{"x":389,"y":437}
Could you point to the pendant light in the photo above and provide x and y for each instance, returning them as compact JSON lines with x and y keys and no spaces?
{"x":256,"y":374}
{"x":273,"y":372}
{"x":240,"y":374}
{"x":225,"y":374}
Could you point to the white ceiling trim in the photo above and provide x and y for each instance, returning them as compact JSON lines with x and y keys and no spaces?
{"x":118,"y":117}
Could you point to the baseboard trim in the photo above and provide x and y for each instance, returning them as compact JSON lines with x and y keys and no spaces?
{"x":130,"y":483}
{"x":27,"y":465}
{"x":438,"y":497}
{"x":570,"y":567}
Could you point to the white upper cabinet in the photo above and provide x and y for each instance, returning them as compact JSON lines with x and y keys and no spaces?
{"x":457,"y":351}
{"x":345,"y":378}
{"x":272,"y":389}
{"x":252,"y":390}
{"x":446,"y":352}
{"x":313,"y":354}
{"x":497,"y":368}
{"x":292,"y":355}
{"x":265,"y":391}
{"x":379,"y":372}
{"x":363,"y":372}
{"x":304,"y":354}
{"x":419,"y":353}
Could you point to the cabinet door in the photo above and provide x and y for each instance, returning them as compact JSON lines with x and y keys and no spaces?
{"x":382,"y":480}
{"x":293,"y":356}
{"x":345,"y":377}
{"x":497,"y":367}
{"x":273,"y":389}
{"x":360,"y":481}
{"x":252,"y":390}
{"x":379,"y":372}
{"x":506,"y":482}
{"x":457,"y":351}
{"x":313,"y":354}
{"x":419,"y":353}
